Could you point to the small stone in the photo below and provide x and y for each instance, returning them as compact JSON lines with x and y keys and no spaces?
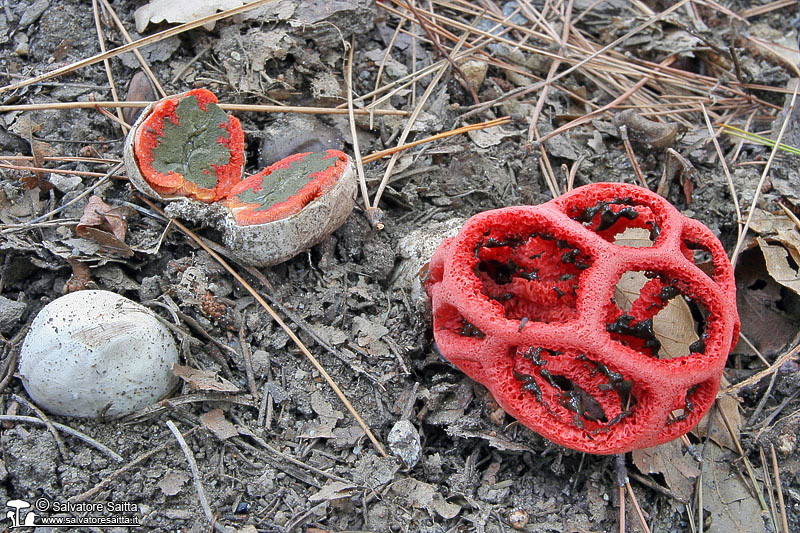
{"x":405,"y":443}
{"x":10,"y":313}
{"x":65,"y":182}
{"x":786,"y":443}
{"x":511,"y":7}
{"x":475,"y":71}
{"x":260,"y":361}
{"x":518,"y":518}
{"x":150,"y":288}
{"x":22,"y":47}
{"x":326,"y":86}
{"x":32,"y":14}
{"x":295,"y":134}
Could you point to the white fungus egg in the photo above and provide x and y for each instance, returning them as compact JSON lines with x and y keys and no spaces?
{"x":95,"y":352}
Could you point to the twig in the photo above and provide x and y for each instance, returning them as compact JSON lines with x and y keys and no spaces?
{"x":134,"y":45}
{"x":647,"y":482}
{"x":386,"y":56}
{"x":574,"y":172}
{"x":589,"y":116}
{"x":761,"y":375}
{"x":779,"y":487}
{"x":773,"y":510}
{"x":404,"y":135}
{"x":302,"y":324}
{"x":752,"y":347}
{"x":757,"y":192}
{"x":763,"y":401}
{"x":751,"y":474}
{"x":422,"y":24}
{"x":66,"y":429}
{"x":280,"y":322}
{"x":699,"y":484}
{"x":81,"y":196}
{"x":621,"y":480}
{"x":121,"y":122}
{"x":116,"y":473}
{"x":463,"y":129}
{"x":638,"y":509}
{"x":623,"y":132}
{"x":724,"y":164}
{"x":102,"y":40}
{"x":226,"y":107}
{"x":774,"y":414}
{"x":172,"y":403}
{"x":127,"y":36}
{"x":186,"y":67}
{"x":690,"y":516}
{"x":760,"y":10}
{"x":525,"y":90}
{"x":362,"y":180}
{"x":59,"y":171}
{"x":198,"y":484}
{"x":553,"y":69}
{"x":289,"y":459}
{"x":62,"y":449}
{"x":62,"y":159}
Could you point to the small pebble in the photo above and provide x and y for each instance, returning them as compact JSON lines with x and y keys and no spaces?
{"x":10,"y":313}
{"x":65,"y":182}
{"x":518,"y":518}
{"x":140,"y":89}
{"x":296,"y":134}
{"x":405,"y":443}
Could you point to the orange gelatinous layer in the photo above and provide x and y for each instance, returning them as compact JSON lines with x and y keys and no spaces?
{"x":148,"y":137}
{"x":246,"y":199}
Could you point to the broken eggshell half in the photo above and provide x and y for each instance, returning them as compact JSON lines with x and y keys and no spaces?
{"x":185,"y":146}
{"x":289,"y":206}
{"x":93,"y":353}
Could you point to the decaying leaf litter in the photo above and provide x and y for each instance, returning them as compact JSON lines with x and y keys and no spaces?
{"x":293,"y":457}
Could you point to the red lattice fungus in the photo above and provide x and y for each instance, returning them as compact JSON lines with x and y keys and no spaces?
{"x":523,"y":302}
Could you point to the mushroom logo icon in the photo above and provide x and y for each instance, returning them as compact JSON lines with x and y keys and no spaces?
{"x":14,"y":515}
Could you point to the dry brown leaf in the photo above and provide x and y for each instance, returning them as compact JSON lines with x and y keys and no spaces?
{"x":215,"y":421}
{"x":203,"y":379}
{"x":719,"y":432}
{"x":424,"y":496}
{"x":678,"y":468}
{"x":333,"y":491}
{"x":777,"y":227}
{"x":170,"y":11}
{"x":674,"y":325}
{"x":761,"y":300}
{"x":102,"y":216}
{"x":25,"y":127}
{"x":172,"y":483}
{"x":726,"y":496}
{"x":105,"y":225}
{"x":776,"y":258}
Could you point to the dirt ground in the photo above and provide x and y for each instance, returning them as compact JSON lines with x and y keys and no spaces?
{"x":294,"y":459}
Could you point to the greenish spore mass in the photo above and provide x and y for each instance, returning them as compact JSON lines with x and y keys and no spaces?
{"x":190,"y":147}
{"x":286,"y":182}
